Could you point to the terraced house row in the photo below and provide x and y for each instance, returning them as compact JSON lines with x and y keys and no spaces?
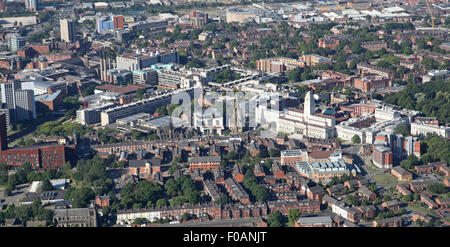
{"x":216,"y":212}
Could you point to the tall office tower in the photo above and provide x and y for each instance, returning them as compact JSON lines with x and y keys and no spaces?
{"x":118,"y":22}
{"x":9,"y":98}
{"x":15,"y":41}
{"x":31,"y":5}
{"x":67,"y":28}
{"x":19,"y":103}
{"x":25,"y":105}
{"x":3,"y":134}
{"x":310,"y":104}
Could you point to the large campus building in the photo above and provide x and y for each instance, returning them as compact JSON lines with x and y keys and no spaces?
{"x":307,"y":123}
{"x":241,"y":15}
{"x":42,"y":156}
{"x":324,"y":171}
{"x":278,"y":64}
{"x":423,"y":128}
{"x":141,"y":60}
{"x":389,"y":148}
{"x":150,"y":105}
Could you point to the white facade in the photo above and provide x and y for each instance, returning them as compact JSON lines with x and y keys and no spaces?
{"x":339,"y":211}
{"x":129,"y":217}
{"x":264,"y":115}
{"x":143,"y":106}
{"x":67,"y":29}
{"x":346,"y":133}
{"x":307,"y":123}
{"x":386,"y":113}
{"x":209,"y":121}
{"x":418,"y":128}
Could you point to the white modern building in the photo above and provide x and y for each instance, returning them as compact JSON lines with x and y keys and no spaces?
{"x":209,"y":121}
{"x":307,"y":123}
{"x":149,"y":105}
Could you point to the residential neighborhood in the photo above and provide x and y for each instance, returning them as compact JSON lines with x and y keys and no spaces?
{"x":322,"y":113}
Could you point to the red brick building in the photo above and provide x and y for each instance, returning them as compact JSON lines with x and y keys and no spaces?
{"x":236,"y":191}
{"x":51,"y":101}
{"x":118,"y":22}
{"x":327,"y":42}
{"x":315,"y":193}
{"x":277,"y":170}
{"x":102,"y":201}
{"x":25,"y":52}
{"x":427,"y":200}
{"x":205,"y":163}
{"x":367,"y":194}
{"x":403,"y":190}
{"x":40,"y":48}
{"x":365,"y":68}
{"x":219,"y":176}
{"x":53,"y":57}
{"x":43,"y":157}
{"x":363,"y":109}
{"x":370,"y":83}
{"x":291,"y":157}
{"x":238,"y":173}
{"x":374,"y":45}
{"x":389,"y":222}
{"x":305,"y":206}
{"x":258,"y":171}
{"x":401,"y":174}
{"x":424,"y":169}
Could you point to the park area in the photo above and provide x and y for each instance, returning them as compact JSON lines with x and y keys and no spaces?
{"x":384,"y":179}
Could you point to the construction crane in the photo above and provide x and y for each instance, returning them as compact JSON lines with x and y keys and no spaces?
{"x":81,"y":97}
{"x":431,"y":13}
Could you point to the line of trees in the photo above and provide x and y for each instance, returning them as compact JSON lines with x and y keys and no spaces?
{"x":25,"y":213}
{"x":175,"y":192}
{"x":250,"y":183}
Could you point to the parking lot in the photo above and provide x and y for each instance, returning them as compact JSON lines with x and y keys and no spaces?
{"x":16,"y":195}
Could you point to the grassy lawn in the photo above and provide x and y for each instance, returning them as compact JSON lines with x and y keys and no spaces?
{"x":384,"y":179}
{"x":370,"y":168}
{"x":30,"y":131}
{"x":417,"y":208}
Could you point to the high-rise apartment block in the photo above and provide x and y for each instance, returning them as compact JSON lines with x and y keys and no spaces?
{"x":67,"y":28}
{"x":20,"y":104}
{"x":15,"y":42}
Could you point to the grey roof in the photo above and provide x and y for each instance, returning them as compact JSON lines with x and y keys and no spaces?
{"x":74,"y":212}
{"x":365,"y":191}
{"x":44,"y":196}
{"x":203,"y":159}
{"x":389,"y":220}
{"x":394,"y":202}
{"x":317,"y":189}
{"x":353,"y":181}
{"x":319,"y":220}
